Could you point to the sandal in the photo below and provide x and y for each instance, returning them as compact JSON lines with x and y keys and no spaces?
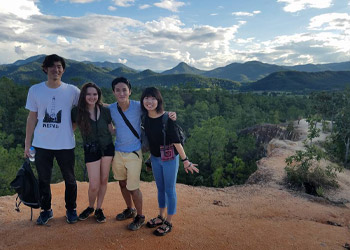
{"x":165,"y":228}
{"x":152,"y":223}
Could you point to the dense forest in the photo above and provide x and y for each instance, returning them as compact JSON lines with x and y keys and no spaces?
{"x":211,"y":118}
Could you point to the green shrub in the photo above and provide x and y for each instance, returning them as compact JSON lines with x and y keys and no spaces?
{"x":303,"y":169}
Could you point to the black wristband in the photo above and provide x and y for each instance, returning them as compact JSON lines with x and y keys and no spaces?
{"x":186,"y":159}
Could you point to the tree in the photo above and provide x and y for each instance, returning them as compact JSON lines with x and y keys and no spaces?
{"x":327,"y":104}
{"x":206,"y":145}
{"x":342,"y":128}
{"x":313,"y":131}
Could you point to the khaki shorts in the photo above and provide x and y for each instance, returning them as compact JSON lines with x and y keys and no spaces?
{"x":127,"y":166}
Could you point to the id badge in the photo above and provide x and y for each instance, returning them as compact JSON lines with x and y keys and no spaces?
{"x":167,"y":153}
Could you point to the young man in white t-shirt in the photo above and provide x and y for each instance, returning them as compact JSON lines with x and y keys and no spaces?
{"x":49,"y":104}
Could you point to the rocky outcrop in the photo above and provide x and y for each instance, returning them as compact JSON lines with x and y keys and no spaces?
{"x":264,"y":133}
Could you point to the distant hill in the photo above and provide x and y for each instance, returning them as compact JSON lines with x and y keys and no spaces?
{"x":244,"y":72}
{"x":343,"y":66}
{"x":253,"y":75}
{"x":301,"y":81}
{"x":79,"y":73}
{"x":108,"y":65}
{"x":183,"y":68}
{"x":76,"y":73}
{"x":125,"y":72}
{"x":186,"y":79}
{"x":28,"y":60}
{"x":143,"y":74}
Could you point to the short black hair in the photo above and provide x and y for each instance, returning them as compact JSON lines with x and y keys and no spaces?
{"x":121,"y":79}
{"x":50,"y":60}
{"x":153,"y":92}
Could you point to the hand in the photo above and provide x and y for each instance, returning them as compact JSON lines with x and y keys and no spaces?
{"x":172,"y":115}
{"x":189,"y":166}
{"x":26,"y":151}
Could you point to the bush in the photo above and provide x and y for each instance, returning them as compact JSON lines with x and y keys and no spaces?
{"x":303,"y":169}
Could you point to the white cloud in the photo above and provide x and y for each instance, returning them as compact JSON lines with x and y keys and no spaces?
{"x":164,"y":42}
{"x":214,"y":14}
{"x":124,"y":61}
{"x":241,"y":14}
{"x":144,"y":6}
{"x":81,"y":1}
{"x":112,"y":8}
{"x":62,"y":40}
{"x":303,"y":48}
{"x":20,"y":8}
{"x":331,"y":21}
{"x":171,"y":5}
{"x":297,"y":5}
{"x":124,"y":3}
{"x":171,"y":28}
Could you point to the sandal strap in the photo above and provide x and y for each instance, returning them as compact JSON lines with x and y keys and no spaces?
{"x":161,"y":218}
{"x":168,"y":224}
{"x":158,"y":217}
{"x":166,"y":227}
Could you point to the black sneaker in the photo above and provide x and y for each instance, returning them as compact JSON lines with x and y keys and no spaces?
{"x":100,"y":217}
{"x":126,"y":214}
{"x":86,"y":213}
{"x":72,"y":216}
{"x":138,"y":222}
{"x":44,"y":217}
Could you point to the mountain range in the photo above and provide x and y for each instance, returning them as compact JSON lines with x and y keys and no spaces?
{"x":248,"y":76}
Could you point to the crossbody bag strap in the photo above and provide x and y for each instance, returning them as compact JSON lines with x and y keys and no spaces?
{"x":165,"y":123}
{"x":127,"y":122}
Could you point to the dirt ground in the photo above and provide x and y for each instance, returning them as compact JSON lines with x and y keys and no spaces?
{"x":251,"y":216}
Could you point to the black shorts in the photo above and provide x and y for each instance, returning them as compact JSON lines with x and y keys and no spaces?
{"x":91,"y":157}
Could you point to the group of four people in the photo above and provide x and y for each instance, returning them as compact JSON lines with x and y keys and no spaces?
{"x":56,"y":109}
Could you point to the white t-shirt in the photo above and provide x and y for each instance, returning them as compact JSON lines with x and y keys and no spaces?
{"x":54,"y":128}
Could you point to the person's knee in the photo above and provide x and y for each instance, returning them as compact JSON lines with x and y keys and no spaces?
{"x":170,"y":192}
{"x":104,"y":181}
{"x":94,"y":187}
{"x":135,"y":192}
{"x":122,"y":184}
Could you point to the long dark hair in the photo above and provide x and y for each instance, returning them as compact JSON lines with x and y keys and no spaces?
{"x":83,"y":118}
{"x":153,"y":92}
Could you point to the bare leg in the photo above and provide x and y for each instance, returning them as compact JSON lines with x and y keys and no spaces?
{"x":94,"y":181}
{"x":169,"y":217}
{"x":162,"y":211}
{"x":104,"y":174}
{"x":126,"y":194}
{"x":137,"y":198}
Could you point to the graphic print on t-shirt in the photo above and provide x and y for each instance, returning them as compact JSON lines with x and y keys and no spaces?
{"x":52,"y":116}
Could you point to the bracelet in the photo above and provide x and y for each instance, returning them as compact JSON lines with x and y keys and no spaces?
{"x":186,"y":159}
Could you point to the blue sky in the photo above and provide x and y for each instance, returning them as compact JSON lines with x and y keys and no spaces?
{"x":160,"y":34}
